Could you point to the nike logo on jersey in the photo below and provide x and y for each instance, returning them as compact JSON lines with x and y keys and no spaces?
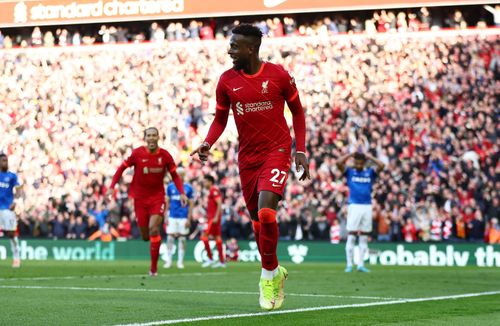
{"x":144,"y":160}
{"x":237,"y":89}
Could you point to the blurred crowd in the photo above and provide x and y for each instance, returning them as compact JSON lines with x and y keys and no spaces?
{"x":426,"y":105}
{"x":403,"y":20}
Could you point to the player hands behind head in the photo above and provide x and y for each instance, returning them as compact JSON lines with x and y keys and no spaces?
{"x":256,"y":92}
{"x":9,"y":187}
{"x":178,"y":220}
{"x":150,"y":163}
{"x":360,"y":181}
{"x":213,"y":230}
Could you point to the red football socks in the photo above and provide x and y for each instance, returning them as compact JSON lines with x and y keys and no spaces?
{"x":154,"y":250}
{"x":218,"y":244}
{"x":207,"y":247}
{"x":268,"y":238}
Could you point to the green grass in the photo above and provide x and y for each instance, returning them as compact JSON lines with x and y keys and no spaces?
{"x":121,"y":294}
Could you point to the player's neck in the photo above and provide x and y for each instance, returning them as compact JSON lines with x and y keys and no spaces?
{"x":152,"y":151}
{"x":253,"y":66}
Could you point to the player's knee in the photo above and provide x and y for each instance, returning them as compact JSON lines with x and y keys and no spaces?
{"x":267,"y":215}
{"x":153,"y":231}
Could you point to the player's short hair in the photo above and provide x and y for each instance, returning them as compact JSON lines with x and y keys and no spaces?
{"x":250,"y":31}
{"x":247,"y":30}
{"x":149,"y":128}
{"x":209,"y":178}
{"x":359,"y":156}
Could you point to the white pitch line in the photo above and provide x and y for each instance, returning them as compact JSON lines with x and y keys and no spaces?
{"x":106,"y":276}
{"x":290,"y":311}
{"x":77,"y":288}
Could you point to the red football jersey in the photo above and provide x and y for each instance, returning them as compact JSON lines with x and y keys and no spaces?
{"x":213,"y":195}
{"x":149,"y":172}
{"x":258,"y":102}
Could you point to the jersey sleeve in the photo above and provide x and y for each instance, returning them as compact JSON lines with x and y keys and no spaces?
{"x":15,"y":181}
{"x":131,"y":160}
{"x":190,"y":192}
{"x":168,"y":191}
{"x":215,"y":194}
{"x":373,"y":173}
{"x":288,"y":87}
{"x":221,"y":96}
{"x":169,"y":162}
{"x":347,"y":172}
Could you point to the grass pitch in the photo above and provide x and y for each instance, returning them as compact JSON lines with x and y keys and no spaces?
{"x":112,"y":293}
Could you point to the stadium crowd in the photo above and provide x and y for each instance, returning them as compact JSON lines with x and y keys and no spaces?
{"x":380,"y":21}
{"x":426,"y":106}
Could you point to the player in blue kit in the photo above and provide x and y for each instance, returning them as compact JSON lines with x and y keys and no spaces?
{"x":9,"y":185}
{"x":360,"y":181}
{"x":178,"y":220}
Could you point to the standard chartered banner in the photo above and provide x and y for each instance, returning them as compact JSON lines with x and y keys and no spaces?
{"x":55,"y":12}
{"x":481,"y":255}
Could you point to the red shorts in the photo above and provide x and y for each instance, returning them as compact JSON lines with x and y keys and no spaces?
{"x":271,"y":176}
{"x":144,"y":209}
{"x":213,"y":229}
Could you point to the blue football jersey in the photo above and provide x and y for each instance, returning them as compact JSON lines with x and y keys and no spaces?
{"x":360,"y":185}
{"x":176,"y":210}
{"x":8,"y":181}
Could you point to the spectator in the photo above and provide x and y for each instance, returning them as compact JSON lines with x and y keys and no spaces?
{"x":124,"y":228}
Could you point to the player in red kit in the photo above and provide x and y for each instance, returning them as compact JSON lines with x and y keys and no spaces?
{"x":214,"y":215}
{"x":256,"y":92}
{"x":150,"y":163}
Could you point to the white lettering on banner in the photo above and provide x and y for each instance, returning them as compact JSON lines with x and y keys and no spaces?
{"x":251,"y":255}
{"x":3,"y":253}
{"x":104,"y":8}
{"x":95,"y":252}
{"x":200,"y":254}
{"x":485,"y":256}
{"x":297,"y":253}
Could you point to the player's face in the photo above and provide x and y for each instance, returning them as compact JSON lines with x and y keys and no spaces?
{"x":4,"y":163}
{"x":359,"y":164}
{"x":239,"y":51}
{"x":151,"y":137}
{"x":206,"y":183}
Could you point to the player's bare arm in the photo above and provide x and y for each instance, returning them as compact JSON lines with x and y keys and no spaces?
{"x":342,"y":161}
{"x":379,"y":163}
{"x":18,"y":191}
{"x":190,"y":213}
{"x":167,"y":207}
